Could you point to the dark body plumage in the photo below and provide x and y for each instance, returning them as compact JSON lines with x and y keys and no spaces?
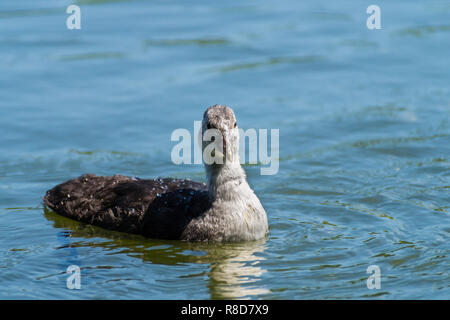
{"x":159,"y":208}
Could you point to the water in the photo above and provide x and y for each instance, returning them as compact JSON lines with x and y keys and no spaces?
{"x":364,"y":143}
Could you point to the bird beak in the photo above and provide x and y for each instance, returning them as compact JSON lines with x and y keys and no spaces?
{"x":227,"y":147}
{"x":229,"y":155}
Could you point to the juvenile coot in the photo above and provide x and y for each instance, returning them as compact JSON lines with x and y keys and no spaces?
{"x":224,"y":209}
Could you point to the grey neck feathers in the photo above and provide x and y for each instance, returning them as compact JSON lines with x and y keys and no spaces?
{"x":226,"y":182}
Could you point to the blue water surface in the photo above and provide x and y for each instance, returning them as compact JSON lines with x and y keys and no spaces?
{"x":364,"y":171}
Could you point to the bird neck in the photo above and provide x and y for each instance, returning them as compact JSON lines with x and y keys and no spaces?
{"x":227,"y":181}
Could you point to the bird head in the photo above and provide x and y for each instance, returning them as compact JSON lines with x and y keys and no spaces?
{"x":220,"y":136}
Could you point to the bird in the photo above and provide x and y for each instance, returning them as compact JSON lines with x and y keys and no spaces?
{"x":224,"y":209}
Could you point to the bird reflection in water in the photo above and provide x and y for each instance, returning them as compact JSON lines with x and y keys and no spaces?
{"x":235,"y":270}
{"x":237,"y":274}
